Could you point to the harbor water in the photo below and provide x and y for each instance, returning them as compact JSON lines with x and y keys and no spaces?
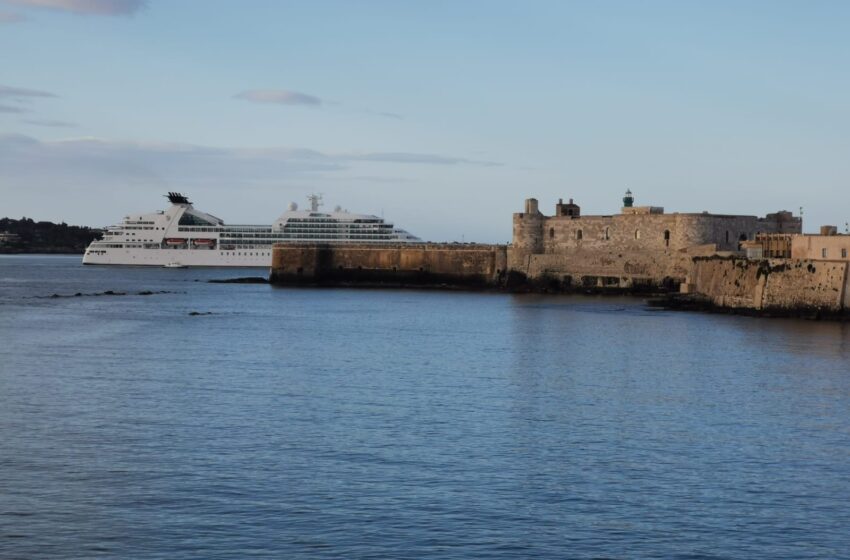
{"x":157,"y":415}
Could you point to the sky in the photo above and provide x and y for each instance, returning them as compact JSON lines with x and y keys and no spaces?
{"x":440,"y":115}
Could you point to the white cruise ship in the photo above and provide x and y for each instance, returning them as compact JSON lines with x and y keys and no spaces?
{"x":182,"y":236}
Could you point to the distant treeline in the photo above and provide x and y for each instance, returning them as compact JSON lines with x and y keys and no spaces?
{"x":28,"y":236}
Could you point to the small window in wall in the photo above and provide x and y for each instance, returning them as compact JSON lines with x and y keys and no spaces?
{"x":637,"y":234}
{"x":578,"y":235}
{"x":742,"y":237}
{"x":823,"y":253}
{"x":551,"y":233}
{"x":727,"y":236}
{"x":666,"y":237}
{"x":843,"y":253}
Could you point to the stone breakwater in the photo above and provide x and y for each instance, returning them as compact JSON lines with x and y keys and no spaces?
{"x":771,"y":287}
{"x":457,"y":266}
{"x":447,"y":265}
{"x":775,"y":287}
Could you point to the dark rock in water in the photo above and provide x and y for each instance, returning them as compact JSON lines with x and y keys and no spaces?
{"x":197,"y":313}
{"x":106,"y":293}
{"x":245,"y":280}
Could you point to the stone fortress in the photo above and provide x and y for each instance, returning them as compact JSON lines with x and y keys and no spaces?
{"x":641,"y":247}
{"x":700,"y":260}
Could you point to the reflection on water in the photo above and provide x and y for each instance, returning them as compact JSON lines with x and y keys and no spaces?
{"x":402,"y":424}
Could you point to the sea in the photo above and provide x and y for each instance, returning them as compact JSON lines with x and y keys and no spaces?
{"x":157,"y":415}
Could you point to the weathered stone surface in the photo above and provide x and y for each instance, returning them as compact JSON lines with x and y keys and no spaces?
{"x":776,"y":286}
{"x":444,"y":265}
{"x":639,"y":246}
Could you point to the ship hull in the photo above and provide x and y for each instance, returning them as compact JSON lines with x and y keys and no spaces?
{"x":187,"y":257}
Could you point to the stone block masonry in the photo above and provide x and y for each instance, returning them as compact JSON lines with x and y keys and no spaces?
{"x":449,"y":265}
{"x":773,"y":287}
{"x":641,"y":247}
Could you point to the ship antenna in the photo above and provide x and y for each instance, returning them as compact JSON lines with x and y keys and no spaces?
{"x":315,"y":201}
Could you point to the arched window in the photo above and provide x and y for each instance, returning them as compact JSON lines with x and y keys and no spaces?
{"x":637,"y":234}
{"x":578,"y":235}
{"x":666,"y":237}
{"x":551,"y":233}
{"x":607,"y":233}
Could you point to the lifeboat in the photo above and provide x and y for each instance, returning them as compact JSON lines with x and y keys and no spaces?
{"x":203,"y":242}
{"x":175,"y":241}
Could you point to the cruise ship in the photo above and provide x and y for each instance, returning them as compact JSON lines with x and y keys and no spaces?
{"x":183,"y":236}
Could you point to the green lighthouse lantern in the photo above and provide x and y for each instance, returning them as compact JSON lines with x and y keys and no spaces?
{"x":628,"y":200}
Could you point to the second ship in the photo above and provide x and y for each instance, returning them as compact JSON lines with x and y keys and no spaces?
{"x":182,"y":236}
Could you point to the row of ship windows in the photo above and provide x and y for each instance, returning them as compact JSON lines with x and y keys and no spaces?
{"x":238,"y":253}
{"x":329,"y":220}
{"x":330,"y":236}
{"x":308,"y":235}
{"x":228,"y":229}
{"x":339,"y":227}
{"x":267,"y":240}
{"x":299,"y":227}
{"x":242,"y":244}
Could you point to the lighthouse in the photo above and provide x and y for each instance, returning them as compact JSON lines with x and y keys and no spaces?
{"x":628,"y":200}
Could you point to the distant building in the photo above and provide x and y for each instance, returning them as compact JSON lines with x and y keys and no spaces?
{"x":769,"y":246}
{"x":828,"y":246}
{"x":7,"y":238}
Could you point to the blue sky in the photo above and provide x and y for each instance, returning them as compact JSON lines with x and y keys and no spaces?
{"x":443,"y":115}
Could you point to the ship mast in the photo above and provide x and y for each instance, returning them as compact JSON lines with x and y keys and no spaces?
{"x":315,"y":201}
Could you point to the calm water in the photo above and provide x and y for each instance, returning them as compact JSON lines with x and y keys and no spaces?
{"x":299,"y":423}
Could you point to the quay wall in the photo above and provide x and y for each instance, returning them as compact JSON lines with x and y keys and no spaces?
{"x":403,"y":264}
{"x":608,"y":268}
{"x":778,"y":286}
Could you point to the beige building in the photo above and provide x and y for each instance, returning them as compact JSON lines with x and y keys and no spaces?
{"x":831,"y":247}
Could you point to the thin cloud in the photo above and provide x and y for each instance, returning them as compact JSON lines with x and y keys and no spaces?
{"x":427,"y":159}
{"x":22,"y":93}
{"x":97,"y":161}
{"x":385,"y":114}
{"x":11,"y":17}
{"x":279,"y":97}
{"x":13,"y":110}
{"x":87,"y":7}
{"x":50,"y":123}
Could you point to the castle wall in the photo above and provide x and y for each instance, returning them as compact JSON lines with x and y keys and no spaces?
{"x":777,"y":285}
{"x":642,"y":243}
{"x":388,"y":264}
{"x":638,"y":231}
{"x":600,"y":268}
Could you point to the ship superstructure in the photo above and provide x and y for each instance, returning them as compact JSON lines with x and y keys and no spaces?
{"x":185,"y":236}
